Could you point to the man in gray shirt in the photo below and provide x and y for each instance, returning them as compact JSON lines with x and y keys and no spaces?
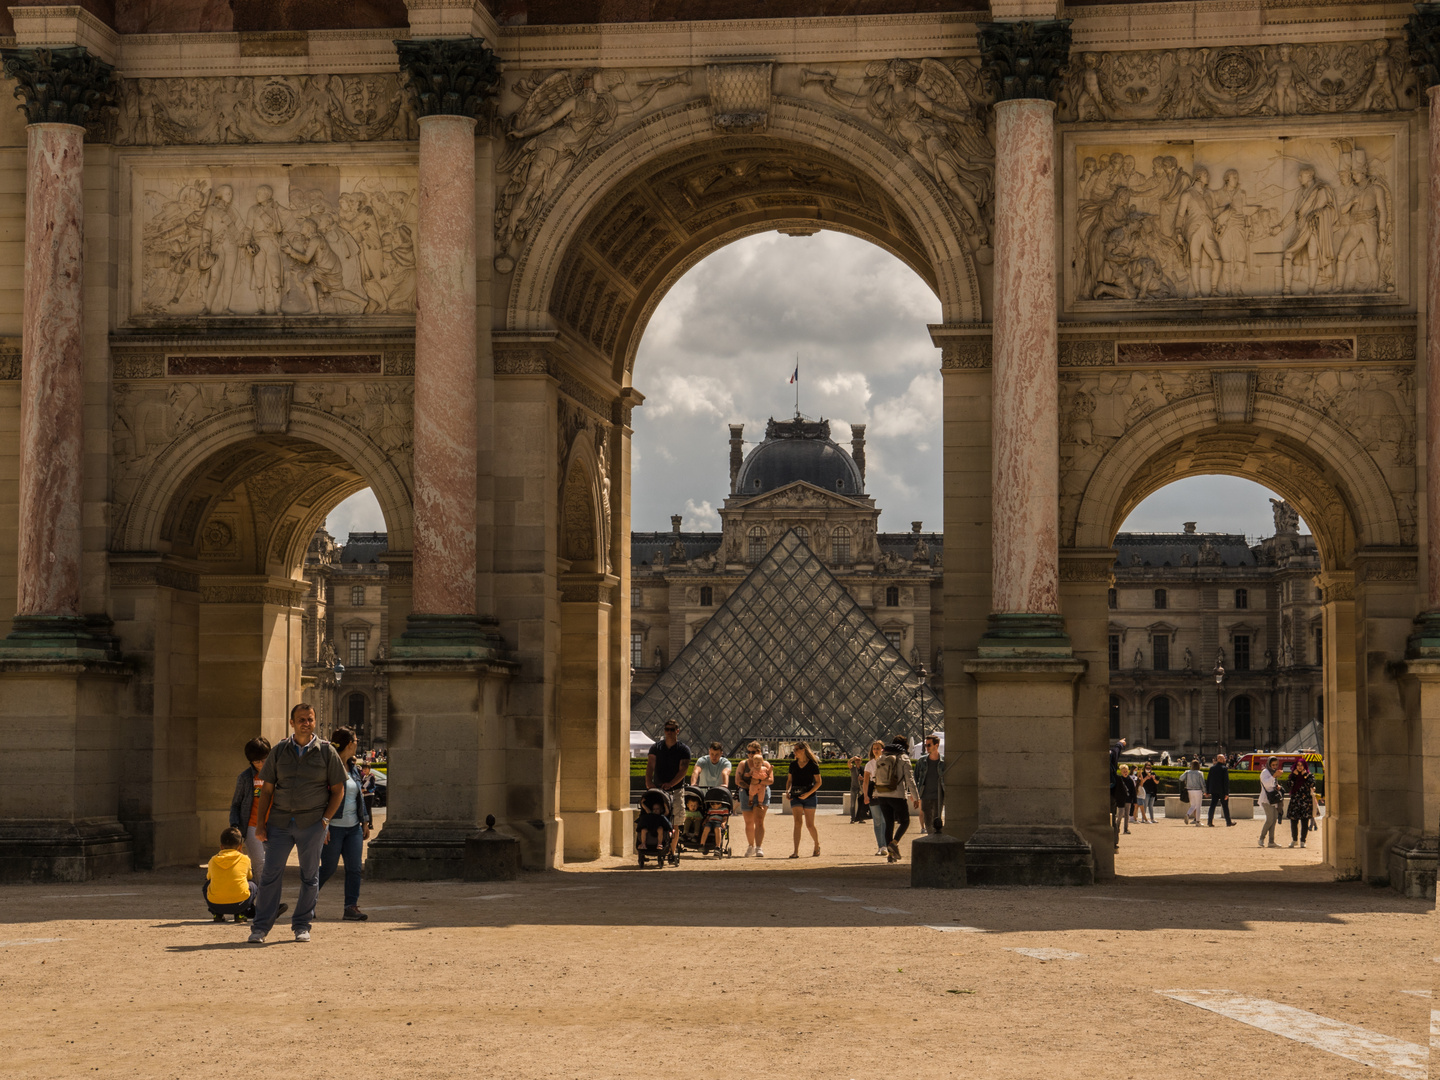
{"x":303,"y":781}
{"x":930,"y":779}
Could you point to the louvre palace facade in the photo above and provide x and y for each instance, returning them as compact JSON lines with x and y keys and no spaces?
{"x":259,"y":256}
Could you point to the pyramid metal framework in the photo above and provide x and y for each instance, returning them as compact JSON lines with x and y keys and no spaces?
{"x":790,"y":655}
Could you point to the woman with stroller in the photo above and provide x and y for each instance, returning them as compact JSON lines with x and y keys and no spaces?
{"x":753,"y":779}
{"x":802,"y":787}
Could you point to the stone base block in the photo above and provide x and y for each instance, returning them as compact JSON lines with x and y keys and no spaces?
{"x":491,"y":856}
{"x":426,"y":853}
{"x":622,"y":832}
{"x":169,"y":841}
{"x":1412,"y":867}
{"x":937,"y":862}
{"x":63,"y":852}
{"x":1028,"y":855}
{"x":588,"y":834}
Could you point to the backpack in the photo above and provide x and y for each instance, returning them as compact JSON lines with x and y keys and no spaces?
{"x":887,"y":772}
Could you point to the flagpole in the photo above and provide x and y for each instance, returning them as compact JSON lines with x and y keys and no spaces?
{"x":797,"y":386}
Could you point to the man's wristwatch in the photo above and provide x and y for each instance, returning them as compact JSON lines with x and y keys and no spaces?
{"x":325,"y":821}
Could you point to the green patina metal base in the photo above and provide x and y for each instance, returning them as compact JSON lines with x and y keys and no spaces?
{"x":453,"y":637}
{"x":60,"y":637}
{"x":1022,"y":634}
{"x":1424,"y":643}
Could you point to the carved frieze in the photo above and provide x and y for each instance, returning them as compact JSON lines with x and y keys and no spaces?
{"x":974,"y":353}
{"x":274,"y":108}
{"x":303,"y":240}
{"x":9,"y":358}
{"x":1385,"y":347}
{"x":154,"y":574}
{"x":739,"y":97}
{"x":1259,"y":351}
{"x":1087,"y":353}
{"x":1311,"y":213}
{"x":1240,"y":80}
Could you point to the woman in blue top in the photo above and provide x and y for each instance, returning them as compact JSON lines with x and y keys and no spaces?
{"x":349,"y":829}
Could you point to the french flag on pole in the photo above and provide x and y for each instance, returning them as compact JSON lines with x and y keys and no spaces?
{"x":796,"y":377}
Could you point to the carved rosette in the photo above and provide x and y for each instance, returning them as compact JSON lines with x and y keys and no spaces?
{"x":1422,"y":34}
{"x":61,"y":86}
{"x":1025,"y":59}
{"x":450,"y":76}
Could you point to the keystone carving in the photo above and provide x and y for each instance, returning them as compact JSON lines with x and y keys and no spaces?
{"x":739,"y":97}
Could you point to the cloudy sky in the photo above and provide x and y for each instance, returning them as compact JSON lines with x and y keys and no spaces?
{"x":720,"y":350}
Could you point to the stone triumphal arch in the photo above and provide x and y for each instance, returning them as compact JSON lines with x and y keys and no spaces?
{"x":259,"y":266}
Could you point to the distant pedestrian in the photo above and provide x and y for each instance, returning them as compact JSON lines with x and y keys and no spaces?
{"x":304,"y":781}
{"x":1302,"y":802}
{"x":877,"y":812}
{"x":1126,"y":790}
{"x":930,"y":779}
{"x":1192,"y":783}
{"x":859,"y":810}
{"x":802,"y":785}
{"x":894,"y":784}
{"x":1150,"y":786}
{"x":1271,"y":799}
{"x":245,"y":803}
{"x":349,"y":829}
{"x":1217,"y":784}
{"x":753,"y":777}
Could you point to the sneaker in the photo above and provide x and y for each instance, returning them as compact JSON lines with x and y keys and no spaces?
{"x":256,"y":938}
{"x":242,"y":918}
{"x":1229,"y":824}
{"x":1262,"y":843}
{"x":302,"y":935}
{"x":354,"y":914}
{"x":1272,"y":844}
{"x":882,"y":851}
{"x":749,"y":851}
{"x":894,"y":852}
{"x":1302,"y":845}
{"x":1292,"y":843}
{"x":759,"y":852}
{"x":219,"y":918}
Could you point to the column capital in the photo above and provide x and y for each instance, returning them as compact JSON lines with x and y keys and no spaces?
{"x":450,"y":76}
{"x":1422,"y":34}
{"x":61,"y":86}
{"x":1025,"y":59}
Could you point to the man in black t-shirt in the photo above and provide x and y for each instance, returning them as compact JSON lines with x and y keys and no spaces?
{"x":666,"y":768}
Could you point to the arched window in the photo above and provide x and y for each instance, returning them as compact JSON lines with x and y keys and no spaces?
{"x":1160,"y":717}
{"x":1242,"y":599}
{"x":758,"y":547}
{"x":892,"y":596}
{"x":707,"y":596}
{"x":357,"y":596}
{"x":1114,"y":717}
{"x":840,"y":546}
{"x":1160,"y":598}
{"x":1243,"y":727}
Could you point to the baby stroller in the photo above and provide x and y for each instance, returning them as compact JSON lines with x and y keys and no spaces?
{"x":719,"y":805}
{"x":653,"y":828}
{"x":692,"y":824}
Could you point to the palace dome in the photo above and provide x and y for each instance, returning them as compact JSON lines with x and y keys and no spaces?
{"x":798,"y":450}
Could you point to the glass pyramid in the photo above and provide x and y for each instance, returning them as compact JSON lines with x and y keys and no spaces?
{"x":790,"y":655}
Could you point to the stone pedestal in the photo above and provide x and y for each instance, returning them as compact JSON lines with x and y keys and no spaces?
{"x":1026,"y":833}
{"x":59,"y":723}
{"x":937,"y":862}
{"x":447,"y":767}
{"x":491,"y":856}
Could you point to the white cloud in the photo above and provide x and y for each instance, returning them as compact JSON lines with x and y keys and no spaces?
{"x":359,"y":513}
{"x":702,"y":518}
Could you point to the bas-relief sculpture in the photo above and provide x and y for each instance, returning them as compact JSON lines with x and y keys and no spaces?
{"x":264,"y":109}
{"x":304,"y":240}
{"x":1254,"y":80}
{"x":1234,"y":217}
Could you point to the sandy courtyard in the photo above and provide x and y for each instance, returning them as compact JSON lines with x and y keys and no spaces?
{"x":828,"y":967}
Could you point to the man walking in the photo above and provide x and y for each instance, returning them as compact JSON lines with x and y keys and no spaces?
{"x":713,"y":770}
{"x":1217,"y":783}
{"x":1271,"y":799}
{"x":666,"y":767}
{"x":894,"y":781}
{"x":302,"y":784}
{"x":930,"y":779}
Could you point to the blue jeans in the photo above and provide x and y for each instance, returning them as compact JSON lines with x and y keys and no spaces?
{"x":877,"y":818}
{"x":346,"y":840}
{"x":282,"y":837}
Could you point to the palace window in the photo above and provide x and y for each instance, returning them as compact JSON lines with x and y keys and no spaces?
{"x":357,"y":596}
{"x":1243,"y":727}
{"x":637,"y":596}
{"x":1160,"y":717}
{"x":1162,"y":652}
{"x":892,"y":597}
{"x":707,"y":596}
{"x":637,"y":646}
{"x":840,"y":546}
{"x":1160,"y":599}
{"x":1114,"y":717}
{"x":758,"y":547}
{"x":357,"y":647}
{"x":1115,"y":653}
{"x":1112,"y":597}
{"x":1242,"y":599}
{"x":1319,"y":646}
{"x":897,"y":639}
{"x":1242,"y":652}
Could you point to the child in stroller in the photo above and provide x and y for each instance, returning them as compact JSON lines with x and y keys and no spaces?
{"x":691,"y":824}
{"x":653,"y":827}
{"x":715,"y":831}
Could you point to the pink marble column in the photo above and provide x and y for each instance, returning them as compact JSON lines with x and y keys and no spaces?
{"x":1025,"y":471}
{"x":51,"y":396}
{"x":445,"y":385}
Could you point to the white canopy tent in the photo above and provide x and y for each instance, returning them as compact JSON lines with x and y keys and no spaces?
{"x":640,"y":744}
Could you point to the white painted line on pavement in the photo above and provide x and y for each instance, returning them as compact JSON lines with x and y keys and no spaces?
{"x":575,"y":888}
{"x":1047,"y":954}
{"x":955,"y":929}
{"x":29,"y":941}
{"x":802,"y":888}
{"x":1116,"y":899}
{"x":1350,"y":1041}
{"x":843,"y":899}
{"x":490,"y":896}
{"x":887,"y":910}
{"x":1416,"y":993}
{"x":83,"y":895}
{"x":394,"y":907}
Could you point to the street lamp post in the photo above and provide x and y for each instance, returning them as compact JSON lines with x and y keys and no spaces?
{"x":1219,"y":707}
{"x":920,"y":698}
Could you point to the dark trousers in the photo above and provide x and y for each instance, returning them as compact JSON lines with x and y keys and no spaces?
{"x":244,"y":907}
{"x":346,"y":840}
{"x":897,"y":818}
{"x":1224,"y":805}
{"x":1299,"y":828}
{"x":284,"y":837}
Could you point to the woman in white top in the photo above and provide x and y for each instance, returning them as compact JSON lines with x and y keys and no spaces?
{"x":877,"y":813}
{"x":1193,"y":784}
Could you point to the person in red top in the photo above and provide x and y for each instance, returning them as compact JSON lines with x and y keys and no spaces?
{"x":245,"y":804}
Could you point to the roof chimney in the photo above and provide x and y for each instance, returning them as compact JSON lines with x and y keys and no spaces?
{"x":1189,"y":526}
{"x":737,"y":453}
{"x":857,"y":450}
{"x":675,"y":524}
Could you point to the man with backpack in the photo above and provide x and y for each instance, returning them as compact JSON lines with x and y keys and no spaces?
{"x":894,"y":785}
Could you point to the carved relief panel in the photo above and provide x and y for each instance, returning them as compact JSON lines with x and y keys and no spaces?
{"x":256,"y":239}
{"x":1169,"y":218}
